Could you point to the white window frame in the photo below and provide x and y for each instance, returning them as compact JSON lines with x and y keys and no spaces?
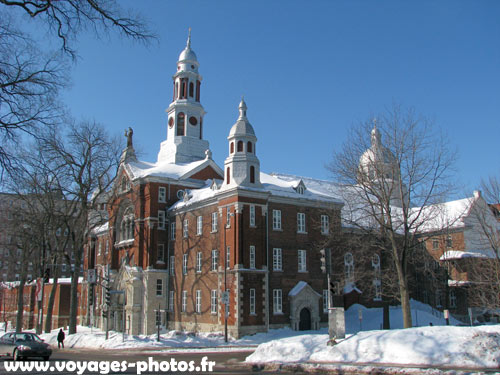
{"x":277,"y":220}
{"x":172,"y":231}
{"x":199,"y":225}
{"x":161,"y":252}
{"x":453,"y":299}
{"x":277,"y":259}
{"x":301,"y":222}
{"x":252,"y":257}
{"x":349,"y":267}
{"x":252,"y":301}
{"x":213,"y":301}
{"x":162,"y":194}
{"x":198,"y":301}
{"x":198,"y":261}
{"x":277,"y":301}
{"x":184,"y":301}
{"x":159,"y":287}
{"x":228,"y":217}
{"x":215,"y":260}
{"x":161,"y":219}
{"x":302,"y":260}
{"x":325,"y":300}
{"x":184,"y":264}
{"x":325,"y":224}
{"x":171,"y":300}
{"x":99,"y":248}
{"x":185,"y":228}
{"x":252,"y":215}
{"x":215,"y":225}
{"x":435,"y":244}
{"x":172,"y":265}
{"x":449,"y":242}
{"x":377,"y":287}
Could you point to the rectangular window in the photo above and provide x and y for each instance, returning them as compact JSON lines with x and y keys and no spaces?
{"x":214,"y":222}
{"x":453,"y":299}
{"x":171,"y":300}
{"x":198,"y":261}
{"x":277,"y":301}
{"x":301,"y":222}
{"x":162,"y":194}
{"x":98,"y":249}
{"x":185,"y":228}
{"x":215,"y":260}
{"x":252,"y":215}
{"x":435,"y":244}
{"x":172,"y":265}
{"x":325,"y":300}
{"x":107,"y":248}
{"x":213,"y":301}
{"x":276,"y":220}
{"x":184,"y":300}
{"x":302,"y":261}
{"x":228,"y":217}
{"x":252,"y":256}
{"x":161,"y":219}
{"x":199,"y":225}
{"x":159,"y":287}
{"x":449,"y":242}
{"x":277,"y":261}
{"x":198,"y":301}
{"x":325,"y":224}
{"x":185,"y":264}
{"x":228,"y":257}
{"x":252,"y":301}
{"x":377,"y":286}
{"x":172,"y":230}
{"x":161,"y":252}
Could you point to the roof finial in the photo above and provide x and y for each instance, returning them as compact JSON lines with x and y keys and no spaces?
{"x":188,"y":44}
{"x":243,"y":108}
{"x":374,"y":123}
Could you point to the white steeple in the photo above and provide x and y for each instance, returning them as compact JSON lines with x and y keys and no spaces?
{"x":185,"y":141}
{"x":242,"y":167}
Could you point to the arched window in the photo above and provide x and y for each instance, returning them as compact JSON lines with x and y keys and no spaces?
{"x":231,"y":147}
{"x":240,"y":146}
{"x":249,"y":147}
{"x":198,"y":84}
{"x":252,"y":174}
{"x":127,"y":226}
{"x":181,"y":119}
{"x":191,"y":89}
{"x":349,"y":267}
{"x":228,"y":175}
{"x":183,"y":88}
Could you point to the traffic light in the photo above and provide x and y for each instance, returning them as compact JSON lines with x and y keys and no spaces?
{"x":108,"y":297}
{"x":325,"y":260}
{"x":46,"y":275}
{"x":91,"y":294}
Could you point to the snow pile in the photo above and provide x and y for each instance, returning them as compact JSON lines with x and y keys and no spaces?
{"x":475,"y":347}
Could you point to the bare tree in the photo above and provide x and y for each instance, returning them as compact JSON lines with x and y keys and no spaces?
{"x":67,"y":18}
{"x":84,"y":162}
{"x":389,"y":185}
{"x":29,"y":84}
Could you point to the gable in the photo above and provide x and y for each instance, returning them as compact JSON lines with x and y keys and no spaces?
{"x":207,"y":173}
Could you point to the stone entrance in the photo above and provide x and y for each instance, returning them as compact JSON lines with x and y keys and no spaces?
{"x":304,"y":307}
{"x":305,"y":320}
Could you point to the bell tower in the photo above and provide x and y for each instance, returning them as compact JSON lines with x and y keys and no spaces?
{"x":185,"y":141}
{"x":242,"y":167}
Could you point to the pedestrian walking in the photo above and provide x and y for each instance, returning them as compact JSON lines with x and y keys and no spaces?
{"x":60,"y":339}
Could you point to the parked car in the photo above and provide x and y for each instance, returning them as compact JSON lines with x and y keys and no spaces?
{"x":22,"y":345}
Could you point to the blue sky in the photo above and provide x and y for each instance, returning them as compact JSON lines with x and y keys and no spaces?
{"x":308,"y":71}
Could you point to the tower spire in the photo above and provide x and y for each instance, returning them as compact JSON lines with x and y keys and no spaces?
{"x":188,"y":43}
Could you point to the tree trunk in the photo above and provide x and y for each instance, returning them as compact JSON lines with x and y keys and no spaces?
{"x":20,"y":306}
{"x":73,"y":306}
{"x":50,"y":306}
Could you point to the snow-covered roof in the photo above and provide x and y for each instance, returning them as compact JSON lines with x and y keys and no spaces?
{"x":141,"y":169}
{"x":457,"y":254}
{"x":297,"y":288}
{"x":276,"y":185}
{"x":101,"y":228}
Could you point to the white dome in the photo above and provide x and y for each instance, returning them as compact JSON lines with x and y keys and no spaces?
{"x":188,"y":55}
{"x":377,"y":159}
{"x":242,"y":125}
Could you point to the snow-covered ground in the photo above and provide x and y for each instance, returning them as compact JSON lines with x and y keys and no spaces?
{"x":425,"y":345}
{"x":436,"y":345}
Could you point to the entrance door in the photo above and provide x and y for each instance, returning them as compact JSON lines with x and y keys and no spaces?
{"x":305,"y":320}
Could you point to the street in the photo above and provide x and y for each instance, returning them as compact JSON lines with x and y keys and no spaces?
{"x":225,"y":362}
